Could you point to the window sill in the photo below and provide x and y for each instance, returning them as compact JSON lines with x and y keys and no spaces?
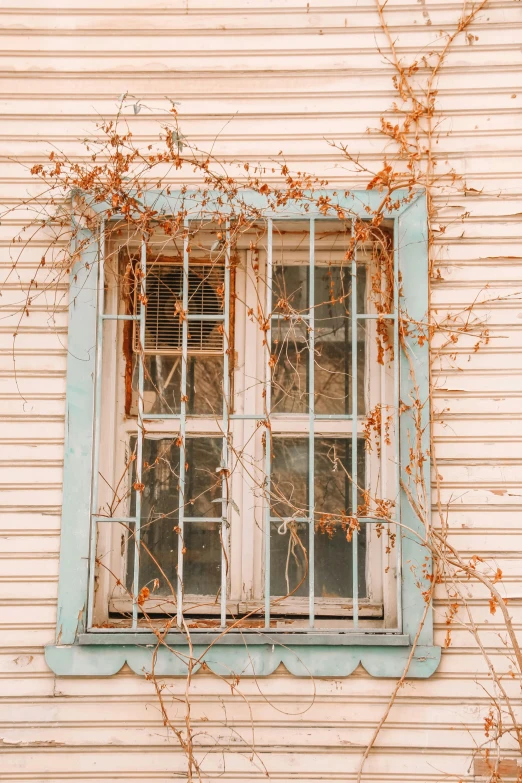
{"x":382,"y":655}
{"x":249,"y":637}
{"x":325,"y":608}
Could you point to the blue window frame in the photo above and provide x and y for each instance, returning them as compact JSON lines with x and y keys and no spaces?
{"x":81,"y":648}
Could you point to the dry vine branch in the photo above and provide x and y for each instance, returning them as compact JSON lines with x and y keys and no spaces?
{"x":119,"y":174}
{"x":413,"y":140}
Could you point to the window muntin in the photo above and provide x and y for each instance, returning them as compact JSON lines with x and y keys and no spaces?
{"x":285,"y":264}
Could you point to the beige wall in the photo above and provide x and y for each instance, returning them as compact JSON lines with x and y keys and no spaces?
{"x":267,"y":76}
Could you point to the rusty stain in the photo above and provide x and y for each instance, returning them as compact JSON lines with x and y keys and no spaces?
{"x":23,"y":660}
{"x":246,"y":623}
{"x":127,"y":354}
{"x":80,"y":620}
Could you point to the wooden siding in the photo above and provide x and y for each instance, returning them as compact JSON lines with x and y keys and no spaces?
{"x":266,"y":75}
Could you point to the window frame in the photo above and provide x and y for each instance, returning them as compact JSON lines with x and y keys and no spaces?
{"x":246,"y":553}
{"x":381,"y":653}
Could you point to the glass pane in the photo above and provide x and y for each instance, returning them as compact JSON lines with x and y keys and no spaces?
{"x":202,"y":477}
{"x":333,"y":506}
{"x":160,"y":501}
{"x":333,"y":485}
{"x":290,"y":299}
{"x":162,"y":385}
{"x":159,"y":514}
{"x":290,"y":266}
{"x":333,"y":327}
{"x":334,"y":562}
{"x":289,"y":477}
{"x":205,"y":386}
{"x":333,"y":251}
{"x":290,"y":289}
{"x":202,"y":558}
{"x":290,"y":371}
{"x":289,"y":559}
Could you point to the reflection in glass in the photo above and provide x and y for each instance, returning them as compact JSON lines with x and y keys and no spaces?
{"x":333,"y":505}
{"x":160,"y":513}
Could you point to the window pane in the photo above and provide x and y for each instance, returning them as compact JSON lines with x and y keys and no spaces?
{"x":333,"y":315}
{"x":290,"y":266}
{"x":290,"y":288}
{"x":160,"y":511}
{"x":289,"y":559}
{"x":289,"y":477}
{"x":334,"y":562}
{"x":202,"y":479}
{"x":202,"y":559}
{"x":289,"y":492}
{"x":333,"y":504}
{"x":162,"y":385}
{"x":205,"y":385}
{"x":333,"y":475}
{"x":290,"y":300}
{"x":333,"y":340}
{"x":290,"y":371}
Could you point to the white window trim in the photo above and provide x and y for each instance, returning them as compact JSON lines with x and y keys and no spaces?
{"x":246,"y":575}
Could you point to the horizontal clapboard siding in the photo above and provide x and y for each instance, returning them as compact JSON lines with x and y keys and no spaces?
{"x":254,"y":79}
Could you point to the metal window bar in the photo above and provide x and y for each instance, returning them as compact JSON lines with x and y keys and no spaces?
{"x":181,"y":417}
{"x":139,"y":438}
{"x":396,"y":402}
{"x":355,"y":408}
{"x":311,"y":432}
{"x":383,"y":464}
{"x":224,"y":456}
{"x":268,"y":432}
{"x":182,"y":425}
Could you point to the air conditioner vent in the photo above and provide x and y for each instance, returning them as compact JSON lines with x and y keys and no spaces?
{"x":163,"y":324}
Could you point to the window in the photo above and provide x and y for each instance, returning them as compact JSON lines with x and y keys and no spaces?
{"x":243,"y":456}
